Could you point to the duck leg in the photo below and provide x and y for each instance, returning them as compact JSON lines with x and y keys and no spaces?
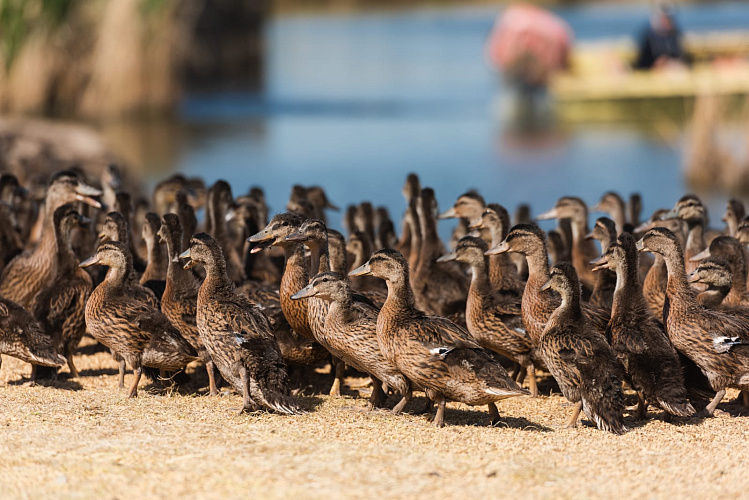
{"x":439,"y":419}
{"x":133,"y":393}
{"x":397,"y":409}
{"x":710,"y":409}
{"x":572,"y":422}
{"x":212,"y":388}
{"x":247,"y":405}
{"x":745,"y":398}
{"x":493,"y":414}
{"x":532,"y":380}
{"x":378,"y":397}
{"x":340,"y":368}
{"x":73,"y":370}
{"x":641,"y":407}
{"x":521,"y":375}
{"x":33,"y":374}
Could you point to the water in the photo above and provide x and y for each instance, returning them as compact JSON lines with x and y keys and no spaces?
{"x":355,"y":102}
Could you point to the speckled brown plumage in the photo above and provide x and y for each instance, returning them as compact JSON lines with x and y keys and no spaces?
{"x":180,"y":300}
{"x":732,"y":251}
{"x":579,"y":358}
{"x":537,"y":306}
{"x":360,"y":249}
{"x":237,"y":334}
{"x":125,"y":317}
{"x":613,"y":205}
{"x":637,"y":338}
{"x":60,"y":306}
{"x":22,"y":337}
{"x":431,"y":351}
{"x":604,"y":231}
{"x":32,"y":270}
{"x":715,"y":341}
{"x":350,"y":334}
{"x":715,"y":273}
{"x":494,"y":326}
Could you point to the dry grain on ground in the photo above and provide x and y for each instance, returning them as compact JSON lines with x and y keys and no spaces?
{"x":82,"y":438}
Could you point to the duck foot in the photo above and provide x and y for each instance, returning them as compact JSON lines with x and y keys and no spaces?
{"x":572,"y":422}
{"x":340,"y":368}
{"x":73,"y":370}
{"x":133,"y":393}
{"x":439,"y":418}
{"x":711,"y":408}
{"x":532,"y":384}
{"x":398,"y":409}
{"x":641,"y":407}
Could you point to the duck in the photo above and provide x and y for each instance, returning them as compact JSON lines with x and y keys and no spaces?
{"x":319,"y":199}
{"x":360,"y":249}
{"x":583,"y":251}
{"x":237,"y":334}
{"x":154,"y":276}
{"x":364,"y":219}
{"x":350,"y":334}
{"x":579,"y":358}
{"x":125,"y":317}
{"x":503,"y":272}
{"x":604,"y":231}
{"x":690,"y":209}
{"x":111,"y":182}
{"x":117,"y":228}
{"x":537,"y":306}
{"x":495,"y":327}
{"x":732,"y":251}
{"x":22,"y":337}
{"x":29,"y":272}
{"x":385,"y":237}
{"x":733,"y":216}
{"x":179,"y":302}
{"x":656,"y":279}
{"x":440,"y":289}
{"x":714,"y":341}
{"x":613,"y":205}
{"x":637,"y":339}
{"x":133,"y":228}
{"x":634,"y":209}
{"x":187,"y":219}
{"x":431,"y":351}
{"x":467,"y":209}
{"x":60,"y":307}
{"x":410,"y":191}
{"x":165,"y":192}
{"x":220,"y":200}
{"x":715,"y":273}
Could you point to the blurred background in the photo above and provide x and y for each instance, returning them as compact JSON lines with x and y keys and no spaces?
{"x":524,"y":103}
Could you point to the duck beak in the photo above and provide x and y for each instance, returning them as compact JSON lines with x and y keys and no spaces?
{"x":476,"y":225}
{"x":307,"y":291}
{"x":448,"y":214}
{"x":364,"y":270}
{"x":332,"y":207}
{"x":672,"y":214}
{"x":91,"y":261}
{"x":501,"y":248}
{"x":589,"y":236}
{"x":599,"y":263}
{"x":103,"y":238}
{"x":186,"y":255}
{"x":263,"y":235}
{"x":551,"y":214}
{"x":693,"y":277}
{"x":640,"y":245}
{"x":447,"y":257}
{"x":546,"y":286}
{"x":87,"y":200}
{"x":296,"y":237}
{"x":596,"y":208}
{"x":701,"y":256}
{"x":645,"y":226}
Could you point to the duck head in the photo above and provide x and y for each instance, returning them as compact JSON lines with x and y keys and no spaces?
{"x":523,"y":238}
{"x":469,"y":250}
{"x":328,"y":286}
{"x":387,"y":264}
{"x":275,"y":233}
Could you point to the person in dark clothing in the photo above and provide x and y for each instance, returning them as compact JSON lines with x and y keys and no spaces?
{"x":661,"y":42}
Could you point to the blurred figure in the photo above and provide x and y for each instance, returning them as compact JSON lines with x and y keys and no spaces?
{"x":528,"y":44}
{"x":661,"y":42}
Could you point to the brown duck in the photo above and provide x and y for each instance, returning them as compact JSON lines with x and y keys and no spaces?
{"x":124,"y":317}
{"x":431,"y":351}
{"x":638,"y":340}
{"x":579,"y":358}
{"x":351,"y":335}
{"x":489,"y":321}
{"x":732,"y":251}
{"x":237,"y":334}
{"x":60,"y":307}
{"x":22,"y":337}
{"x":604,"y":231}
{"x":715,"y":341}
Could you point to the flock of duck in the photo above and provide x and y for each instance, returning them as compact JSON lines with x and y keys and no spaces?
{"x":663,"y":306}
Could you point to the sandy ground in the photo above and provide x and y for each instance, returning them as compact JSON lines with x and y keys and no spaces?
{"x":84,"y":439}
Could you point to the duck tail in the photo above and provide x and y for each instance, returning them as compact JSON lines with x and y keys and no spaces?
{"x":679,"y":408}
{"x":606,"y":418}
{"x":268,"y":378}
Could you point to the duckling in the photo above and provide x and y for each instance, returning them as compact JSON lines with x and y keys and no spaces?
{"x":180,"y":299}
{"x":360,"y":249}
{"x":503,"y":272}
{"x":351,"y":335}
{"x":733,"y":216}
{"x":237,"y":334}
{"x":536,"y":306}
{"x":642,"y":347}
{"x":583,"y":251}
{"x":124,"y":317}
{"x":431,"y":351}
{"x":219,"y":201}
{"x":489,"y":321}
{"x":602,"y":295}
{"x":60,"y":306}
{"x":22,"y":337}
{"x":579,"y":358}
{"x":690,"y":209}
{"x":715,"y":341}
{"x":30,"y":271}
{"x":730,"y":249}
{"x":613,"y":205}
{"x":154,"y":276}
{"x":439,"y":288}
{"x":715,"y":273}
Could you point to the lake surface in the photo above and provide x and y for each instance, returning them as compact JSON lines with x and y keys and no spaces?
{"x":354,"y":102}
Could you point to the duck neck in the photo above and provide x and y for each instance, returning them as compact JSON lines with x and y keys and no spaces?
{"x":738,"y":280}
{"x":538,"y":266}
{"x":155,"y":256}
{"x":696,"y":234}
{"x":569,"y":309}
{"x":216,"y":277}
{"x":117,"y":276}
{"x":627,"y":286}
{"x":480,"y":284}
{"x":430,"y":242}
{"x":295,"y":276}
{"x":66,"y":259}
{"x":320,"y":261}
{"x":175,"y":273}
{"x":678,"y":286}
{"x":400,"y":297}
{"x":713,"y":297}
{"x":216,"y":217}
